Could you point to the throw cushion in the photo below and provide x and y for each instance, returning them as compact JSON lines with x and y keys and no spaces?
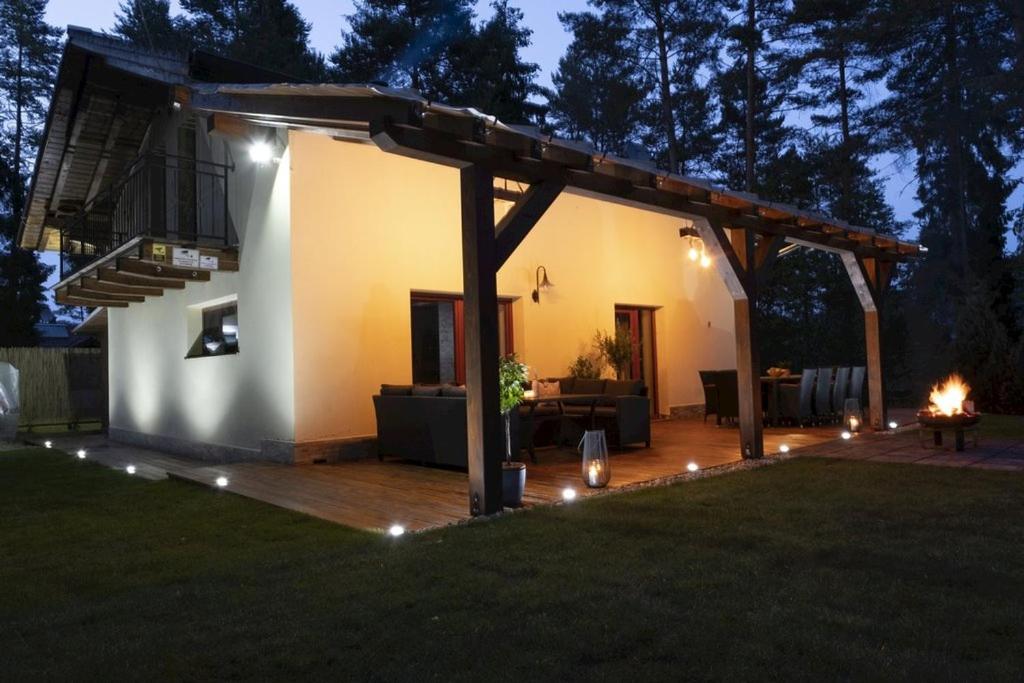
{"x":588,"y":386}
{"x":544,"y":388}
{"x":624,"y":387}
{"x":453,"y":391}
{"x":567,"y":384}
{"x":426,"y":390}
{"x":395,"y":389}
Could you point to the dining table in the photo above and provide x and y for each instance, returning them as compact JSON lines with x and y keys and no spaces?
{"x":531,"y":403}
{"x":771,"y":396}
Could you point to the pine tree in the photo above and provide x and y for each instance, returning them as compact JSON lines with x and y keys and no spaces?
{"x":29,"y":52}
{"x":598,"y":95}
{"x":488,"y":72}
{"x":672,"y":41}
{"x":268,"y":33}
{"x":149,"y":23}
{"x":753,"y":86}
{"x":405,"y":43}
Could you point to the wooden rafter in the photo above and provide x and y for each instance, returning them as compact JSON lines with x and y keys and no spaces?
{"x":518,"y":222}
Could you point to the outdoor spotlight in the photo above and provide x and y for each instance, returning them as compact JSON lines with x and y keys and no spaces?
{"x":846,"y":435}
{"x":568,"y":494}
{"x":222,"y":482}
{"x":783,"y":448}
{"x":48,"y":444}
{"x":130,"y":469}
{"x":261,"y":152}
{"x":692,"y":467}
{"x":396,"y":530}
{"x":892,"y":425}
{"x":80,"y":453}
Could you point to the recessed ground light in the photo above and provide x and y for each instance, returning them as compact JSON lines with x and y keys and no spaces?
{"x":568,"y":493}
{"x":692,"y":467}
{"x":80,"y":453}
{"x":396,"y":530}
{"x":783,"y":448}
{"x":894,"y":424}
{"x":130,"y":469}
{"x":222,"y":482}
{"x":47,"y":444}
{"x":846,"y":435}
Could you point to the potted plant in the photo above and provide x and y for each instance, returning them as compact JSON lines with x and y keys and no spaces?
{"x":511,"y":377}
{"x":617,"y":351}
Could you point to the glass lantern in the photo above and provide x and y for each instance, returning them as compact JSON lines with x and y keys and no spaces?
{"x":853,"y":416}
{"x":596,"y":469}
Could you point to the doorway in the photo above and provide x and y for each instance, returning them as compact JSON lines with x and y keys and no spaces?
{"x":639,"y":320}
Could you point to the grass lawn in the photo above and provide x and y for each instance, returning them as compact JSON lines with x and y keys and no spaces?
{"x":811,"y":569}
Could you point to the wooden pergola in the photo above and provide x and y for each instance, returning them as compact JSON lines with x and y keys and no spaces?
{"x":742,"y":232}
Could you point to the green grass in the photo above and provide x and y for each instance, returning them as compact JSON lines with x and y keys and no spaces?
{"x":810,"y":569}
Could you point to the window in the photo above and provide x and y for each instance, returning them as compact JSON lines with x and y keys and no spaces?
{"x":219,"y":334}
{"x":438,"y":338}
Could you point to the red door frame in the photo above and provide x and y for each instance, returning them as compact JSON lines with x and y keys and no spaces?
{"x":458,"y":321}
{"x":634,"y":330}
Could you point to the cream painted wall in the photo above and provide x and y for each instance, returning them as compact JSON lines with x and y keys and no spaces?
{"x":368,"y":228}
{"x":235,"y":400}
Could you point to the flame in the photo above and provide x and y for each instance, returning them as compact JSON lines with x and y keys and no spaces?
{"x":948,"y":398}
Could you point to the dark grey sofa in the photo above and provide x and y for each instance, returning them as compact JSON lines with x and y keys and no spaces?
{"x":624,"y":411}
{"x":426,"y":423}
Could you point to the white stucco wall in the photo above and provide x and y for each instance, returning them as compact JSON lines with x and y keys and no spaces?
{"x":235,"y":400}
{"x":369,"y":228}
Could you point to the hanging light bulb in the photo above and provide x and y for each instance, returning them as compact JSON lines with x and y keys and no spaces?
{"x":705,"y":260}
{"x":693,"y":254}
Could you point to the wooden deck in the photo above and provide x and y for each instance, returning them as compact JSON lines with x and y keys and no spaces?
{"x":369,"y":494}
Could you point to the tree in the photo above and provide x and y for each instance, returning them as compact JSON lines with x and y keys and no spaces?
{"x":487,"y":71}
{"x":29,"y":52}
{"x":598,"y":96}
{"x":405,"y":43}
{"x":672,"y":41}
{"x":149,"y":23}
{"x":269,"y":33}
{"x":753,"y":88}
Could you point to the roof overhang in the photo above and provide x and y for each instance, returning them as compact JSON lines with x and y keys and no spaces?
{"x":402,"y":122}
{"x":103,"y":103}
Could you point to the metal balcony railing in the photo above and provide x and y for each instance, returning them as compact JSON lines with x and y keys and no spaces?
{"x":161,"y":196}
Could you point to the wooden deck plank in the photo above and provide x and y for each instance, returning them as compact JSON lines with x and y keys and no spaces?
{"x":370,"y":494}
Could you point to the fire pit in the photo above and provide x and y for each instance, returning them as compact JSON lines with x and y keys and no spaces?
{"x":949,"y":410}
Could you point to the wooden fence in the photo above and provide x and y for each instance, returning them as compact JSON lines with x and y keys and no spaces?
{"x":59,"y":386}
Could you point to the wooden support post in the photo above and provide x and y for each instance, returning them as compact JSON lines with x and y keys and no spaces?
{"x":737,"y":262}
{"x":870,"y":278}
{"x":479,"y":270}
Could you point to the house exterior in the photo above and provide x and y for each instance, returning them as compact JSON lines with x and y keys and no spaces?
{"x":269,"y":253}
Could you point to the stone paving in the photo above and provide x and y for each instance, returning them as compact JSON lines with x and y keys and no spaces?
{"x":904,"y":446}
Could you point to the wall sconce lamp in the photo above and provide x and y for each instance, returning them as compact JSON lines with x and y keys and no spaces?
{"x":543,"y":284}
{"x":695,"y":251}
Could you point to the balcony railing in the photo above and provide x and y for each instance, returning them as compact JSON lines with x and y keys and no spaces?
{"x":162,"y":196}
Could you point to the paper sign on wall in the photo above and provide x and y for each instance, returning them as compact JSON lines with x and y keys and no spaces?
{"x":187,"y":258}
{"x":209,"y":262}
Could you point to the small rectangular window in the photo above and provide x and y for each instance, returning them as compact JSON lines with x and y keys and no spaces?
{"x":219,"y":335}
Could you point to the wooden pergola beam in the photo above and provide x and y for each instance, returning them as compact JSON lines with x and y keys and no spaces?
{"x":518,"y":222}
{"x":484,"y":431}
{"x":93,"y":284}
{"x":79,"y":292}
{"x":871,"y":279}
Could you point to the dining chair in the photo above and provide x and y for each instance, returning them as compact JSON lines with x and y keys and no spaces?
{"x":707,"y":380}
{"x":823,"y":396}
{"x":840,"y":388}
{"x":796,"y":401}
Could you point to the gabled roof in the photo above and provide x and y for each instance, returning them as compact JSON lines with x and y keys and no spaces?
{"x":105,"y":98}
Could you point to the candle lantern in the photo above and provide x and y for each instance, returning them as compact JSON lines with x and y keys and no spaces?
{"x":596,"y":469}
{"x":853,"y":416}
